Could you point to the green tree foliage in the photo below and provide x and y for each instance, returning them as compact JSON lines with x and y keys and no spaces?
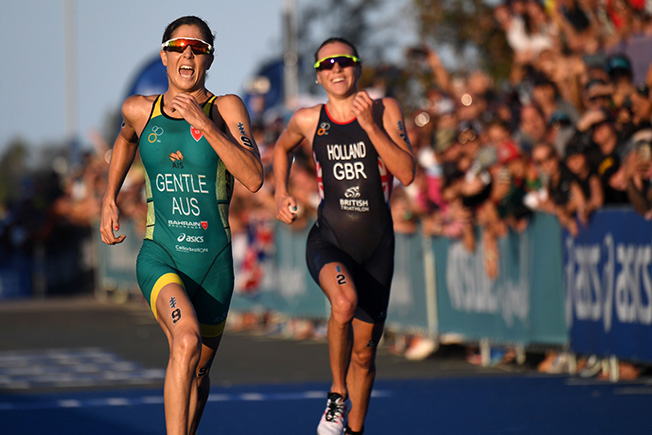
{"x":469,"y":28}
{"x":357,"y":21}
{"x":348,"y":19}
{"x":12,"y":169}
{"x":464,"y":28}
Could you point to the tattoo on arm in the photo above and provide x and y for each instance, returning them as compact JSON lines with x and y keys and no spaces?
{"x":245,"y":140}
{"x":403,"y":133}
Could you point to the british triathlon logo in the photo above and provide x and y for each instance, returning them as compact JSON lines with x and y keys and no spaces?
{"x":352,"y":192}
{"x":323,"y":129}
{"x":352,"y":201}
{"x":196,"y":134}
{"x":155,"y":134}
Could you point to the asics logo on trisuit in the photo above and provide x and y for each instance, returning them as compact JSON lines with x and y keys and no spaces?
{"x":190,"y":239}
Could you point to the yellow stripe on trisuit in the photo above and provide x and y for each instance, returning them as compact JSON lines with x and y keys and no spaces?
{"x":211,"y":330}
{"x":208,"y":105}
{"x":168,"y":278}
{"x":157,"y":111}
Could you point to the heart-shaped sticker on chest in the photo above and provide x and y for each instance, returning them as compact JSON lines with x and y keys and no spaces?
{"x":196,"y":134}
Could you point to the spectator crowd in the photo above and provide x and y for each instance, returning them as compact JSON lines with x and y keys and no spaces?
{"x":568,"y":133}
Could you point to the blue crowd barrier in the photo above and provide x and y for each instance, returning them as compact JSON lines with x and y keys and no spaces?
{"x":287,"y":287}
{"x":524,"y":305}
{"x":62,"y":264}
{"x":607,"y":271}
{"x":116,"y":264}
{"x":15,"y":276}
{"x":411,"y":304}
{"x":591,"y":294}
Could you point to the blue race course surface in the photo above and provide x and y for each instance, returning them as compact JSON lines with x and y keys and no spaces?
{"x":477,"y":405}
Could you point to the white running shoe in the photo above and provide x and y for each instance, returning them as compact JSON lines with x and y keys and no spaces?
{"x":333,"y":422}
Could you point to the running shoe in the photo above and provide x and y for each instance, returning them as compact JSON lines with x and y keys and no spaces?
{"x":333,"y":422}
{"x":593,"y":367}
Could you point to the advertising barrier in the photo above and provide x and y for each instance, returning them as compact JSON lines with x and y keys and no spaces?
{"x":592,"y":293}
{"x":411,"y":304}
{"x":607,"y":271}
{"x":15,"y":276}
{"x":285,"y":285}
{"x":116,"y":264}
{"x":525,"y":304}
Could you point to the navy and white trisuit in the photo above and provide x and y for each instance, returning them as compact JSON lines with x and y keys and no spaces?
{"x":354,"y":223}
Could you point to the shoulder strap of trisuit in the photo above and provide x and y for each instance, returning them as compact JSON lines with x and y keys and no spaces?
{"x":156,"y":108}
{"x":208,"y":105}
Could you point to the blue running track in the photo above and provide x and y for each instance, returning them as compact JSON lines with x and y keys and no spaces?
{"x":518,"y":404}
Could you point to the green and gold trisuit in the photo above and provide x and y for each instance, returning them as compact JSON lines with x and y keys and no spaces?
{"x":188,"y":240}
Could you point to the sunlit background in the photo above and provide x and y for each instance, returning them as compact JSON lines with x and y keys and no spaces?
{"x":69,"y":64}
{"x":536,"y":67}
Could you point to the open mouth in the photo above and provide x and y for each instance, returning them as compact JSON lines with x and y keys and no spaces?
{"x":186,"y":71}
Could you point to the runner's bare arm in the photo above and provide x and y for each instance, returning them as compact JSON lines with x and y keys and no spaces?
{"x":390,"y":139}
{"x":122,"y":156}
{"x":299,"y":128}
